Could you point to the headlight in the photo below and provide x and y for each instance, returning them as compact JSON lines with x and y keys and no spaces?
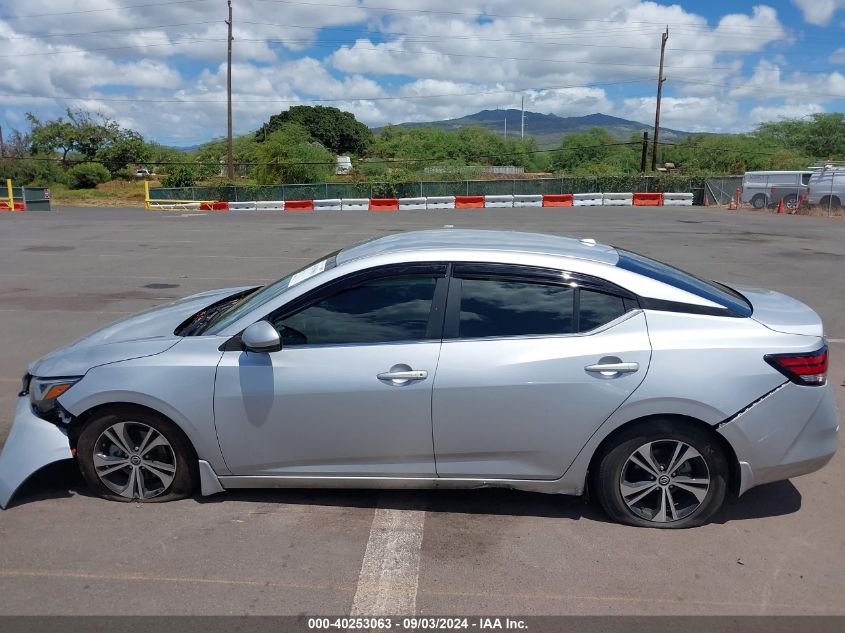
{"x":44,"y":391}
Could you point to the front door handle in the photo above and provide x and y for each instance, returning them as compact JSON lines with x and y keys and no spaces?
{"x":610,"y":369}
{"x":402,"y":376}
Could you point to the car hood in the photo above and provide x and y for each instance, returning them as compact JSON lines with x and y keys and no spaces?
{"x":143,"y":334}
{"x":781,"y":312}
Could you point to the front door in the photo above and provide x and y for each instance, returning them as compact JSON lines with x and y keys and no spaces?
{"x":349,"y":394}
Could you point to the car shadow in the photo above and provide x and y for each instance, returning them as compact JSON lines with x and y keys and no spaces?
{"x":63,"y":479}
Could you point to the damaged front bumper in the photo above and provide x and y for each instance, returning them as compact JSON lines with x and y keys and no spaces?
{"x":32,"y":444}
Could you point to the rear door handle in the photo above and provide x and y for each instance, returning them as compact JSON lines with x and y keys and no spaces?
{"x":403,"y":376}
{"x":608,"y":369}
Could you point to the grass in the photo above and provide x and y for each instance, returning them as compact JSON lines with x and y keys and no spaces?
{"x":116,"y":193}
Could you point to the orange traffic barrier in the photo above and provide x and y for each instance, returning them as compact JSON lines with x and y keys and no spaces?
{"x":648,"y":199}
{"x":557,"y":200}
{"x":214,"y":206}
{"x":299,"y":205}
{"x":18,"y":206}
{"x":384,"y":204}
{"x":469,"y":202}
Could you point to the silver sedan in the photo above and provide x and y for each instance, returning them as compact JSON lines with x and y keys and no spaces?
{"x":446,"y":359}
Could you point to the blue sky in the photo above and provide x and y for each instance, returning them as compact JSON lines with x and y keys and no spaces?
{"x":159,"y":65}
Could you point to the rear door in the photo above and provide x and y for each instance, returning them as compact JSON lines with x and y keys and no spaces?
{"x":532,"y":362}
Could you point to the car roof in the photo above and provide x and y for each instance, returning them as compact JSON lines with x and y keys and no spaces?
{"x":481,"y":240}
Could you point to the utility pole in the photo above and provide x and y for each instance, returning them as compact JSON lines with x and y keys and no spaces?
{"x":660,"y":80}
{"x":644,"y":155}
{"x":230,"y":159}
{"x":2,"y":152}
{"x":522,"y":120}
{"x":506,"y":124}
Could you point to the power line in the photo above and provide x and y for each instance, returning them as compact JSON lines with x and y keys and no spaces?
{"x":122,"y":8}
{"x":34,"y":35}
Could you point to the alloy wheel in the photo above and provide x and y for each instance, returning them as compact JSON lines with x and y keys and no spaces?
{"x":134,"y":460}
{"x":664,"y":481}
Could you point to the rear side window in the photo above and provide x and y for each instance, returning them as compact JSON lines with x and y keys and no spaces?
{"x":597,"y":308}
{"x":730,"y":300}
{"x":805,"y":179}
{"x":498,"y":307}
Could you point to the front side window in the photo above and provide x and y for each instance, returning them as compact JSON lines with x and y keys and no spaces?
{"x":498,"y":307}
{"x":378,"y":311}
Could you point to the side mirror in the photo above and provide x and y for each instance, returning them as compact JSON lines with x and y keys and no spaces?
{"x":261,"y":337}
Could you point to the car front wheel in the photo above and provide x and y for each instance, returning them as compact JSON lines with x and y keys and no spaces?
{"x":662,"y":474}
{"x":129,"y":454}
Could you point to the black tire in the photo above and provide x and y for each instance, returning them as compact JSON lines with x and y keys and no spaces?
{"x":790,"y":201}
{"x":830,"y":202}
{"x":607,"y":475}
{"x":186,"y":475}
{"x":758,"y":201}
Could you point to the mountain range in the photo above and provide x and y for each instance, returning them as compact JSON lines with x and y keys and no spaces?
{"x":548,"y":129}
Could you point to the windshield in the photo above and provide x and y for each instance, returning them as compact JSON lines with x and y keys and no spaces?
{"x":268,"y":293}
{"x":653,"y":269}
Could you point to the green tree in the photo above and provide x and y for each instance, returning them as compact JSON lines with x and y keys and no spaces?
{"x":821,"y":136}
{"x":289,"y":156}
{"x":180,"y":176}
{"x":338,"y":131}
{"x":594,"y":152}
{"x":88,"y":175}
{"x":126,"y":147}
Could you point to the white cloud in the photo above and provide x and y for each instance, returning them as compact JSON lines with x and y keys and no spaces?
{"x":837,"y":56}
{"x":761,"y":114}
{"x":694,"y":114}
{"x":592,"y":60}
{"x":819,"y":12}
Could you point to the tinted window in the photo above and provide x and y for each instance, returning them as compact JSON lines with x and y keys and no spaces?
{"x":597,"y":308}
{"x":653,"y":269}
{"x":384,"y":310}
{"x":493,"y":307}
{"x":805,"y":179}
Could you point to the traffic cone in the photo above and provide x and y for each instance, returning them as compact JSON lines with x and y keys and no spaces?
{"x":732,"y":204}
{"x":781,"y":208}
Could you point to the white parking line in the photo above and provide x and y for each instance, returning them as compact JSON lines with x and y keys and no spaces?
{"x":836,"y":340}
{"x":387,"y":584}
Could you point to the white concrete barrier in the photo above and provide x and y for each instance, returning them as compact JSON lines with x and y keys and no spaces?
{"x":677,"y":199}
{"x":269,"y":205}
{"x":412,"y":204}
{"x":587,"y":199}
{"x":528,"y":200}
{"x":498,"y":202}
{"x":618,"y":199}
{"x":243,"y":206}
{"x":440,"y":202}
{"x":355,"y":204}
{"x":329,"y":204}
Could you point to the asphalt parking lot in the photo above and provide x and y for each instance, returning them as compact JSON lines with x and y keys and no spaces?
{"x":778,"y":550}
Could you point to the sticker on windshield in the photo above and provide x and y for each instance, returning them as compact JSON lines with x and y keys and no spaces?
{"x":309,"y":272}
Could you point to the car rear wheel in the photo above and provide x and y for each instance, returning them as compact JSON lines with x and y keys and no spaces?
{"x":830,"y":202}
{"x":662,"y":474}
{"x":758,"y":201}
{"x":129,"y":454}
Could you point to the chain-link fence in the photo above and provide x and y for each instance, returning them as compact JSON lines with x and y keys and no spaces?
{"x":719,"y":191}
{"x":566,"y":184}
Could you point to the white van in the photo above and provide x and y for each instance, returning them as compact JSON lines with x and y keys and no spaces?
{"x":827,"y":187}
{"x":768,"y":188}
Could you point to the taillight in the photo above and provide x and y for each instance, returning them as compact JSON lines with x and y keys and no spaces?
{"x":809,"y":368}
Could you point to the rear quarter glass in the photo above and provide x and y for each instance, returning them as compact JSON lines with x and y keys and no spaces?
{"x":653,"y":269}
